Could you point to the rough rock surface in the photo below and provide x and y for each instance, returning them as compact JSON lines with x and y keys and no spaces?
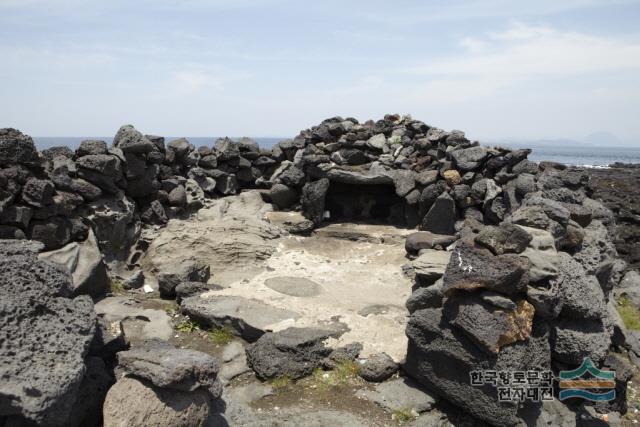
{"x":248,"y":318}
{"x":168,"y":367}
{"x":136,"y":403}
{"x":41,"y":381}
{"x":293,"y":352}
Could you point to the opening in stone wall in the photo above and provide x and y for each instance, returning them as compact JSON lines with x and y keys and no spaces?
{"x":375,"y":204}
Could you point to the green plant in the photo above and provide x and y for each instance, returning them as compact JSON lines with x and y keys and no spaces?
{"x":345,"y":373}
{"x":116,"y":287}
{"x":221,"y":336}
{"x":187,"y":325}
{"x":630,"y":315}
{"x":282,"y":382}
{"x":395,"y":140}
{"x":403,"y":415}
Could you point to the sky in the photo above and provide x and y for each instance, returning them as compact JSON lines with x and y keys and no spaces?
{"x":495,"y":69}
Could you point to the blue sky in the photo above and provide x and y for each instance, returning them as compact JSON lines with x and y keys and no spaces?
{"x":495,"y":69}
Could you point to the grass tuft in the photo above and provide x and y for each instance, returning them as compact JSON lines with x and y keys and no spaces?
{"x":345,"y":373}
{"x":116,"y":287}
{"x":221,"y":336}
{"x":403,"y":415}
{"x":280,"y":383}
{"x":187,"y":325}
{"x":630,"y":315}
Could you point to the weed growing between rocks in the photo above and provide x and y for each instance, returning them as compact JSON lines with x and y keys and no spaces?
{"x":404,"y":415}
{"x":630,"y":314}
{"x":344,"y":374}
{"x":116,"y":287}
{"x":281,"y":383}
{"x":187,"y":325}
{"x":221,"y":336}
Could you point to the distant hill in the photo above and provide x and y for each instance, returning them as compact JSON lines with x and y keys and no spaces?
{"x":596,"y":139}
{"x":602,"y":138}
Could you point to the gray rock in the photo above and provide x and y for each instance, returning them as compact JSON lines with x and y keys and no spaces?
{"x":226,"y":185}
{"x":378,"y":142}
{"x":506,"y":238}
{"x":38,"y":192}
{"x":404,"y":181}
{"x":188,"y":270}
{"x":103,"y":170}
{"x":16,"y":215}
{"x":629,"y":286}
{"x":293,"y":286}
{"x":441,"y":359}
{"x":283,"y":196}
{"x":428,"y":267}
{"x":426,"y":240}
{"x":114,"y":223}
{"x":427,"y":177}
{"x":227,"y":149}
{"x":190,"y":289}
{"x":473,"y":268}
{"x":469,"y":158}
{"x":15,"y":147}
{"x":248,"y":318}
{"x":498,"y":300}
{"x":427,"y":297}
{"x":135,"y":281}
{"x":84,"y":261}
{"x":293,"y":352}
{"x":349,"y":156}
{"x":489,"y":327}
{"x":377,"y":367}
{"x":134,"y":403}
{"x":169,"y":367}
{"x":400,"y":394}
{"x":542,"y":255}
{"x":54,"y":232}
{"x":576,"y":339}
{"x":582,"y":295}
{"x":596,"y":247}
{"x":441,"y":217}
{"x":91,"y":146}
{"x":313,"y":200}
{"x":129,"y":140}
{"x":9,"y":232}
{"x":41,"y":383}
{"x":178,"y":196}
{"x":87,"y":190}
{"x":348,"y":353}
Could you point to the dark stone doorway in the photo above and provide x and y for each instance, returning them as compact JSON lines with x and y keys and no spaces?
{"x":374,"y":204}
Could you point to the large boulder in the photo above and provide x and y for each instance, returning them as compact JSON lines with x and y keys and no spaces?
{"x":48,"y":333}
{"x":103,"y":170}
{"x":313,"y":198}
{"x":130,"y":140}
{"x":189,"y":270}
{"x":473,"y":268}
{"x":15,"y":147}
{"x":114,"y":222}
{"x":54,"y":232}
{"x":506,"y":238}
{"x":488,"y":326}
{"x":138,"y":403}
{"x":84,"y":261}
{"x":248,"y":318}
{"x":168,"y":367}
{"x":469,"y":158}
{"x":442,"y":358}
{"x":293,"y":352}
{"x":415,"y":242}
{"x":441,"y":218}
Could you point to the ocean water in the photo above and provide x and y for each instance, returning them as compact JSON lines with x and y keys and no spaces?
{"x":589,"y":156}
{"x":586,"y":155}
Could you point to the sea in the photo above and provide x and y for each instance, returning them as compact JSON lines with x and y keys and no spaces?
{"x":583,"y":155}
